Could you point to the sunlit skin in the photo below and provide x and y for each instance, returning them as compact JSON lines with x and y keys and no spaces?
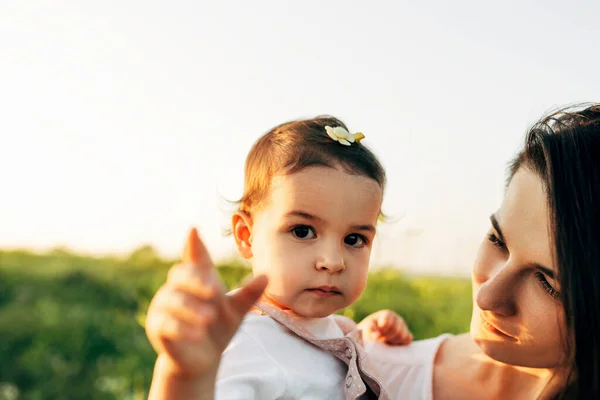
{"x":516,"y":345}
{"x":517,"y":316}
{"x":312,"y":237}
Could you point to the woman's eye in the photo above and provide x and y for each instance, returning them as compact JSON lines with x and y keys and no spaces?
{"x":355,"y":240}
{"x":547,"y":286}
{"x":496,"y":241}
{"x":303,"y":232}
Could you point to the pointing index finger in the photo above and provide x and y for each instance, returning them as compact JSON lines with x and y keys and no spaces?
{"x":195,"y":253}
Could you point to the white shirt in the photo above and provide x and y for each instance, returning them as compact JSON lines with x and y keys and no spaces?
{"x":406,"y":372}
{"x":266,"y":361}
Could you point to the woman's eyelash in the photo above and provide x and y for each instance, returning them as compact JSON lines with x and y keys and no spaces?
{"x":496,"y":241}
{"x":546,"y":285}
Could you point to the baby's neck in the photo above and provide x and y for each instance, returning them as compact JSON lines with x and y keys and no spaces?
{"x":316,"y":328}
{"x":289,"y":311}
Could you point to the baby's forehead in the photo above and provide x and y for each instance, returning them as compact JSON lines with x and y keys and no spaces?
{"x":328,"y":194}
{"x":326,"y":185}
{"x":322,"y":177}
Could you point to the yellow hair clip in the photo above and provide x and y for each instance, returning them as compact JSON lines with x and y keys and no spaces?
{"x":341,"y":135}
{"x":358,"y":136}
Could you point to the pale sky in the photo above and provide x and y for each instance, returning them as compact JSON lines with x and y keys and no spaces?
{"x":126,"y":122}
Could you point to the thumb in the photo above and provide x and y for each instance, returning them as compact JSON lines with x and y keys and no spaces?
{"x":195,"y":252}
{"x":382,"y":320}
{"x":243,"y":298}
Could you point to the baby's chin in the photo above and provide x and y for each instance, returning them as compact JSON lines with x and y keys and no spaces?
{"x":305,"y":305}
{"x":320,"y":310}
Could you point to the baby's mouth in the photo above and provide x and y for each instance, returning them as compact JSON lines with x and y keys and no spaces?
{"x":325,"y":291}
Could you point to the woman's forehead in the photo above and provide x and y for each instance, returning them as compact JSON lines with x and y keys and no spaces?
{"x":524,"y":216}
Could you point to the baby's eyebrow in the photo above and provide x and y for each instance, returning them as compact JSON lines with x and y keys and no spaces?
{"x":303,"y":214}
{"x":370,"y":228}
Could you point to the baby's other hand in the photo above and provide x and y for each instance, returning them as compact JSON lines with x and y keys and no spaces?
{"x":386,"y":326}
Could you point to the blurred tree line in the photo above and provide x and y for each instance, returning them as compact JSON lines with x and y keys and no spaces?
{"x":71,"y":326}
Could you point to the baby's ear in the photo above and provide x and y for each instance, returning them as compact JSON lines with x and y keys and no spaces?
{"x":241,"y":224}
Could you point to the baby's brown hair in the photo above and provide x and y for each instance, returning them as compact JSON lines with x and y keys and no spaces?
{"x":295,"y":145}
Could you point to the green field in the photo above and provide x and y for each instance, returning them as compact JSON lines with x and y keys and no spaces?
{"x":71,"y":325}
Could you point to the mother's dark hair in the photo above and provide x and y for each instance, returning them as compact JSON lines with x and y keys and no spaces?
{"x":564,"y":150}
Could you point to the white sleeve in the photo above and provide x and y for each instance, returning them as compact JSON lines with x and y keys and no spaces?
{"x":405,"y":371}
{"x":248,"y":372}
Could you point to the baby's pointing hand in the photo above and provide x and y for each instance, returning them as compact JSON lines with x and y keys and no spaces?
{"x":190,"y":320}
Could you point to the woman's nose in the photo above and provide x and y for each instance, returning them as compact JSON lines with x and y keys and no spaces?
{"x":496,"y":292}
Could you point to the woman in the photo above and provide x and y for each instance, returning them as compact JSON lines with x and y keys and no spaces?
{"x":535,"y":328}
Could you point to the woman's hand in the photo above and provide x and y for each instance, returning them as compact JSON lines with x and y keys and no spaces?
{"x":191,"y":320}
{"x":386,"y":326}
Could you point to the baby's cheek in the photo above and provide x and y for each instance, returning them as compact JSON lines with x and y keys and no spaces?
{"x":358,"y":285}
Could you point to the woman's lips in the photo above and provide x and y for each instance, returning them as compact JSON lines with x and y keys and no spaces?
{"x":493,"y":329}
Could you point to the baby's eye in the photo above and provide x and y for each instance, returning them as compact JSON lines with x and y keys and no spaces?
{"x":303,"y":232}
{"x":355,"y":240}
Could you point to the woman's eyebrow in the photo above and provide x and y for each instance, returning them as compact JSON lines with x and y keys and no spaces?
{"x":496,"y":226}
{"x":545,"y":270}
